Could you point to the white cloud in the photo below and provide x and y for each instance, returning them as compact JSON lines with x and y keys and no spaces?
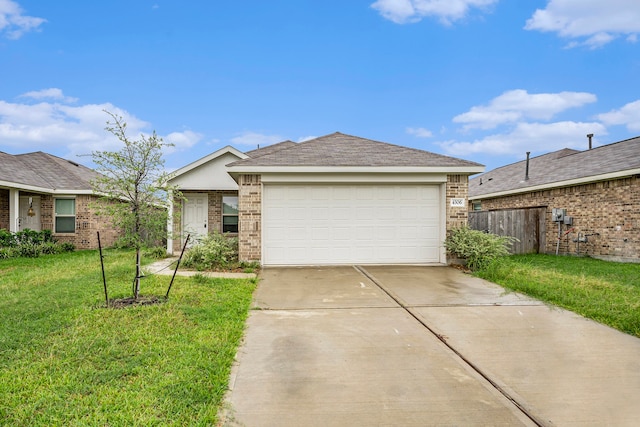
{"x":256,"y":139}
{"x":593,"y":23}
{"x":51,"y":93}
{"x":182,"y":140}
{"x":52,"y":126}
{"x":13,"y":23}
{"x":534,"y":137}
{"x":628,"y":115}
{"x":516,"y":105}
{"x":419,"y":132}
{"x":447,"y":11}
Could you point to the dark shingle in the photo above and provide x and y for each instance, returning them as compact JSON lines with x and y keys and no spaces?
{"x":558,"y":166}
{"x":270,"y":149}
{"x":46,"y":171}
{"x":338,"y":149}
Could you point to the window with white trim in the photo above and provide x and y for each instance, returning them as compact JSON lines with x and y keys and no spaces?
{"x":229,"y":214}
{"x":65,"y":215}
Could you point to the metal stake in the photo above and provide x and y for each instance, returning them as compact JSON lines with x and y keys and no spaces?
{"x":177,"y":266}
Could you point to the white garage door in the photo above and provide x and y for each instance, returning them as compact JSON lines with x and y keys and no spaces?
{"x":350,"y":224}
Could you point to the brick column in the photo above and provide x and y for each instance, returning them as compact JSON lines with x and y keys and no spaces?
{"x":250,"y":217}
{"x":457,"y":188}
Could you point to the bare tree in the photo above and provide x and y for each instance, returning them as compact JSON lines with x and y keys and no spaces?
{"x":132,"y":189}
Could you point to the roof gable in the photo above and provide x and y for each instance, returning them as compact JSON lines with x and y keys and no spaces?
{"x":206,"y":159}
{"x":340,"y":150}
{"x":560,"y":168}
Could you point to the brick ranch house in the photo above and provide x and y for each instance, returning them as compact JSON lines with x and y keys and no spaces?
{"x":599,"y":188}
{"x":336,"y":199}
{"x":59,"y":194}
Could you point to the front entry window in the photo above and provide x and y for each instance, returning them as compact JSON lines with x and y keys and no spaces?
{"x":65,"y":211}
{"x":230,"y":214}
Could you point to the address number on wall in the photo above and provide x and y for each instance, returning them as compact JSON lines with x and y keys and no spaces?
{"x":457,"y":203}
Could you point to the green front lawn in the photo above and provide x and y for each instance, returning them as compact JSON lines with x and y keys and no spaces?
{"x":607,"y":292}
{"x":66,"y":360}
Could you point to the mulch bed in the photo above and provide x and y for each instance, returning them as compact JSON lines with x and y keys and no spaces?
{"x":128,"y":302}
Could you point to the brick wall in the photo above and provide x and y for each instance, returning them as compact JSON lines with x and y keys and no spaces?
{"x":250,"y":217}
{"x":4,"y":209}
{"x":88,"y":223}
{"x":609,"y":208}
{"x":457,"y":188}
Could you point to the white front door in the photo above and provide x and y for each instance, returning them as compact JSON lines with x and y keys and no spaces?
{"x":25,"y":221}
{"x":195,"y":216}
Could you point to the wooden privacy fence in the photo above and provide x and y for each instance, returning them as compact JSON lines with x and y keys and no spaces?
{"x":526,"y":225}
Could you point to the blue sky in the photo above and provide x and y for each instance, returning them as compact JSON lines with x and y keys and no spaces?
{"x":483,"y":80}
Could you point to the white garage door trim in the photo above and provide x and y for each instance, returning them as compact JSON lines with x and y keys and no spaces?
{"x":331,"y":224}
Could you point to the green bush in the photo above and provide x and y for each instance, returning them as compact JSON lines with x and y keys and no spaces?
{"x":476,"y":247}
{"x":6,"y":253}
{"x":31,"y":244}
{"x":214,"y":252}
{"x":157,"y":252}
{"x":7,"y":239}
{"x":67,"y":247}
{"x":28,"y":250}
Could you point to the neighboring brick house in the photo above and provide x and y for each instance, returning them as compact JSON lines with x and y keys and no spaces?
{"x":40,"y":191}
{"x":336,"y":199}
{"x":599,"y":188}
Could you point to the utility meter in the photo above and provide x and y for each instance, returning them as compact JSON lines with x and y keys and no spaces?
{"x":557,"y":214}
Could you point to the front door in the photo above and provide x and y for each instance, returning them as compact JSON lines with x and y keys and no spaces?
{"x":195,"y":216}
{"x":25,"y":220}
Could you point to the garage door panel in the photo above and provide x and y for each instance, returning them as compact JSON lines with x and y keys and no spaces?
{"x":346,"y":224}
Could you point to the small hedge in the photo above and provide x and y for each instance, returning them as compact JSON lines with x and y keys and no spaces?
{"x":30,"y":244}
{"x":213,"y":252}
{"x":476,"y":247}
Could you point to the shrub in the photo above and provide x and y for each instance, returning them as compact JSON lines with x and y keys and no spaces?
{"x":6,"y":253}
{"x":214,"y":252}
{"x":30,"y":244}
{"x":28,"y":250}
{"x":157,"y":252}
{"x":476,"y":247}
{"x":67,"y":247}
{"x":49,"y":248}
{"x":7,"y":239}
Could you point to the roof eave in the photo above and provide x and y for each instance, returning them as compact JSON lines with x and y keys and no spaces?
{"x":558,"y":184}
{"x":36,"y":189}
{"x":458,"y":170}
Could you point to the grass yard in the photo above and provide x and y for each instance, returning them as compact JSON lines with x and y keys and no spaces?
{"x":66,"y":360}
{"x":607,"y":292}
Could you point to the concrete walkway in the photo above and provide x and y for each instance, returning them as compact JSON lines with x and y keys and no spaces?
{"x":421,"y":346}
{"x":166,"y":266}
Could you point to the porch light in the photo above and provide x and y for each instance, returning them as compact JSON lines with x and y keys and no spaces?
{"x":31,"y":212}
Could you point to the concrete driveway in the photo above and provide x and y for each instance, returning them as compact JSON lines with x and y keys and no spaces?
{"x":420,"y":346}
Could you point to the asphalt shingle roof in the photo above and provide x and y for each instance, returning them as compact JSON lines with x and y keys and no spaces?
{"x":338,"y":149}
{"x":46,"y":171}
{"x":270,"y":149}
{"x":559,"y":166}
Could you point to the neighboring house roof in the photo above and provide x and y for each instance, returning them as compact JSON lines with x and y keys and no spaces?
{"x":560,"y":168}
{"x":340,"y":150}
{"x":44,"y":172}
